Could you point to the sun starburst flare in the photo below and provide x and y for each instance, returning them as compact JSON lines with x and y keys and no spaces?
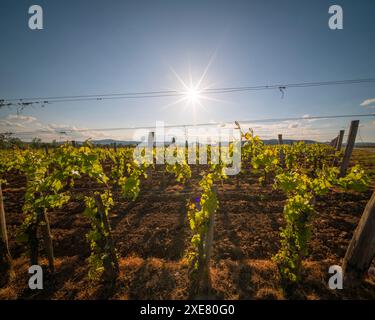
{"x":192,"y":94}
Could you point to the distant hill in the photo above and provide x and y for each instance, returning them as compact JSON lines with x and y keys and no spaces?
{"x":287,"y":141}
{"x":364,"y":144}
{"x":111,"y":142}
{"x":125,"y":142}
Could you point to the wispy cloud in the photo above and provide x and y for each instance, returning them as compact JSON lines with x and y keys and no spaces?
{"x":368,"y":103}
{"x":21,"y":118}
{"x":307,"y":116}
{"x":27,"y":127}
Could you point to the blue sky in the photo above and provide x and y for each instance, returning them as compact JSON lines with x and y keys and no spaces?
{"x":91,"y":47}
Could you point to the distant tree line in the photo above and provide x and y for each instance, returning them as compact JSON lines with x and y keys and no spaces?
{"x":8,"y":141}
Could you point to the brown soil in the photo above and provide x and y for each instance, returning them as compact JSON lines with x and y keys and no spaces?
{"x":152,"y":236}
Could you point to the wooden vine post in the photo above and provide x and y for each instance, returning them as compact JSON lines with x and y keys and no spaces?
{"x":361,"y":250}
{"x":151,"y":144}
{"x":5,"y":257}
{"x":33,"y":241}
{"x":238,"y":180}
{"x":208,"y":251}
{"x":349,"y":147}
{"x":282,"y":156}
{"x":238,"y":175}
{"x":110,"y":262}
{"x":186,"y":143}
{"x":340,"y":139}
{"x":200,"y":285}
{"x":47,"y":238}
{"x":198,"y":158}
{"x":333,"y":142}
{"x":204,"y":276}
{"x":338,"y":146}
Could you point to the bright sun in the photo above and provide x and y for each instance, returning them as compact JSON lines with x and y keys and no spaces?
{"x":192,"y":95}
